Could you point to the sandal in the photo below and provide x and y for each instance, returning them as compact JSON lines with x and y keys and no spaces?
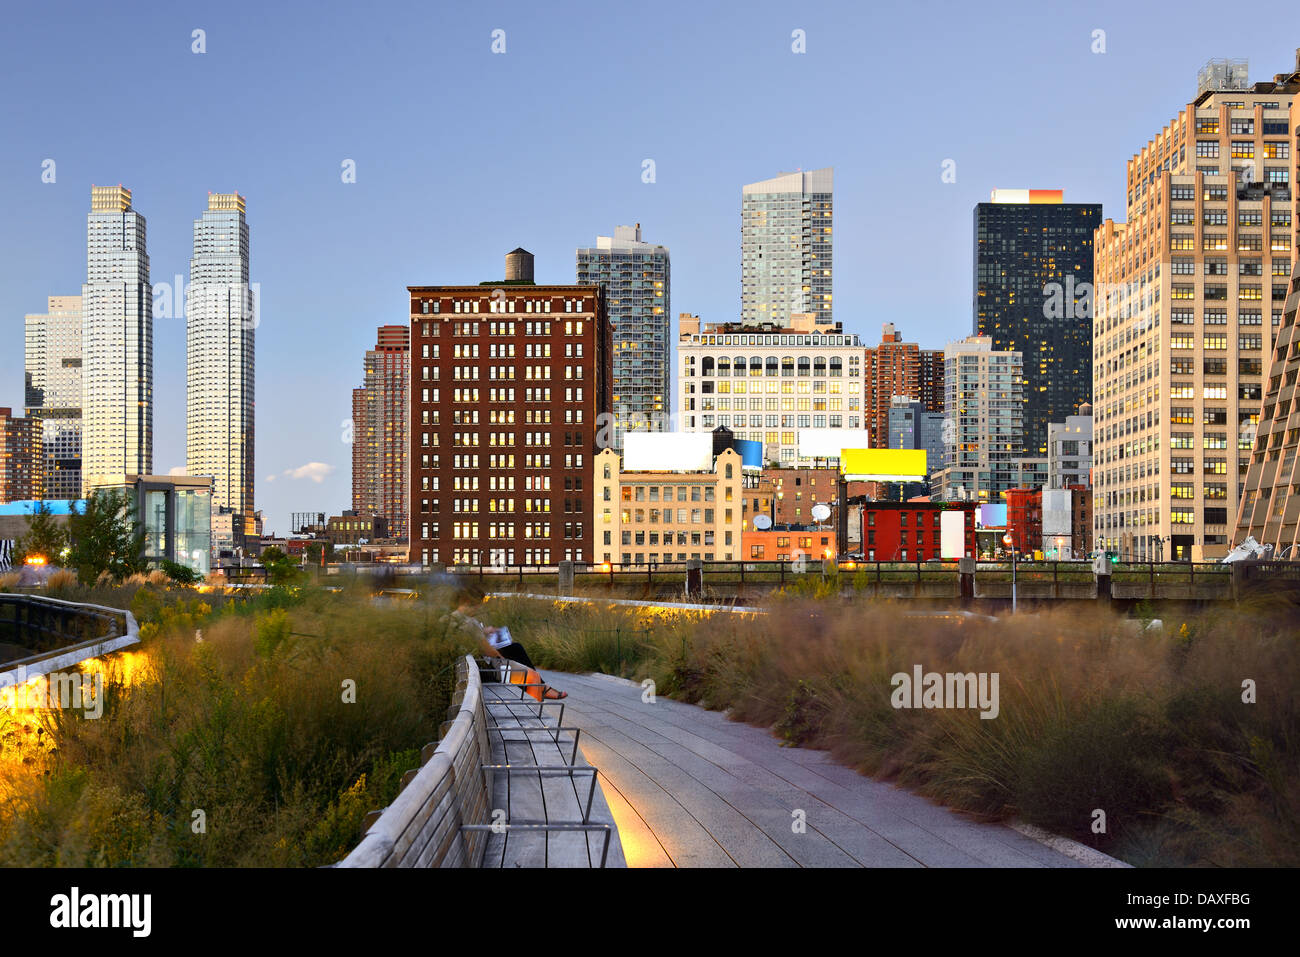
{"x":553,"y":695}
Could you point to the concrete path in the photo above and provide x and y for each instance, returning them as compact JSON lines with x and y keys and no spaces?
{"x":690,"y":788}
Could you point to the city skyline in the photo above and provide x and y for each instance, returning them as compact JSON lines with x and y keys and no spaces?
{"x":689,"y":206}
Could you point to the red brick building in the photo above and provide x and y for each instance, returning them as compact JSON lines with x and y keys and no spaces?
{"x":787,"y":496}
{"x":1025,"y":519}
{"x":510,"y":388}
{"x":1081,"y":519}
{"x":899,"y":368}
{"x":380,"y":444}
{"x":22,"y":458}
{"x":911,"y":531}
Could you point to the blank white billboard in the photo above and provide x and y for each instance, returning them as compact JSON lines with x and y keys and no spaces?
{"x":1056,"y":512}
{"x":952,"y":534}
{"x":829,"y":443}
{"x":667,"y":451}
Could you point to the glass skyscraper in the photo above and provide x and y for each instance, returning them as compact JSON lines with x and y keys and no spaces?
{"x":219,"y":337}
{"x":785,"y":248}
{"x":1033,"y":264}
{"x":636,"y":278}
{"x":116,"y":341}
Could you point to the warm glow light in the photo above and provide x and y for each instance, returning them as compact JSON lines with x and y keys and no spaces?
{"x":35,"y":560}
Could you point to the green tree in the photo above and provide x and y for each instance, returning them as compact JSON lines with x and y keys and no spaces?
{"x":105,"y":537}
{"x":280,"y":568}
{"x":181,"y":574}
{"x":45,"y":537}
{"x":315,"y":549}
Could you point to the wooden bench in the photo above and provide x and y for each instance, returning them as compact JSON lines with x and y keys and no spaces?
{"x":503,"y":787}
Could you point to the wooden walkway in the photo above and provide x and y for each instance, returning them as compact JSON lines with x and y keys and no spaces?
{"x":689,"y":788}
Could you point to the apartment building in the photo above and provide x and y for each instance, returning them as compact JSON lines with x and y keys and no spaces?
{"x":1189,"y":293}
{"x":786,"y":266}
{"x":649,"y":516}
{"x":767,"y":382}
{"x":22,"y":458}
{"x":983,"y":426}
{"x":52,"y":364}
{"x":116,"y":340}
{"x":380,"y":432}
{"x":1033,"y":251}
{"x":220,"y":335}
{"x":636,"y":277}
{"x":896,"y":368}
{"x":510,"y":390}
{"x":1069,"y":450}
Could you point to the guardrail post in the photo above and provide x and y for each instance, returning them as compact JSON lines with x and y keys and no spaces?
{"x":565,"y":579}
{"x":966,"y":575}
{"x":694,"y":577}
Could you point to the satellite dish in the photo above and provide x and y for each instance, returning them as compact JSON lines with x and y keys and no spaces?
{"x":821,"y":512}
{"x":762,"y":522}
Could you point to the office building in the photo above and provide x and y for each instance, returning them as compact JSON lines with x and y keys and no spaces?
{"x":786,"y":264}
{"x":506,"y":389}
{"x":53,"y":391}
{"x":381,"y":411}
{"x":116,"y":340}
{"x":896,"y":368}
{"x":766,"y":382}
{"x":1033,"y":265}
{"x":220,"y":321}
{"x":1190,"y":291}
{"x":636,"y":277}
{"x":22,"y":458}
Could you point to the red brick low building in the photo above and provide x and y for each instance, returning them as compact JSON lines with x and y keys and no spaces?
{"x":912,"y":531}
{"x":1025,"y":519}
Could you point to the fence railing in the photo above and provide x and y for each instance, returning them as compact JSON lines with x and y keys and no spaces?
{"x":41,"y":634}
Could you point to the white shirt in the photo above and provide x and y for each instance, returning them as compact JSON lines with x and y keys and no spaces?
{"x":499,"y":637}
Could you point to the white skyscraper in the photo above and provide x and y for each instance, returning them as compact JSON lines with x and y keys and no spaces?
{"x":53,"y":393}
{"x":116,"y":341}
{"x":785,"y":248}
{"x":219,"y":330}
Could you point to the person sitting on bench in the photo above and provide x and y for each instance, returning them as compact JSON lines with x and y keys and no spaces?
{"x":499,"y":643}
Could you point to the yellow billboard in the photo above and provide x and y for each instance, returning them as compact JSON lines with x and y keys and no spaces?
{"x":883,"y":465}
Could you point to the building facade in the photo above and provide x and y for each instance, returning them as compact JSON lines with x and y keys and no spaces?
{"x":786,"y":264}
{"x":1189,"y":294}
{"x":637,"y":280}
{"x":220,"y":328}
{"x":912,"y":531}
{"x":22,"y":458}
{"x":648,"y":517}
{"x":789,"y":543}
{"x":174,"y":515}
{"x":116,"y":340}
{"x":1033,"y":258}
{"x":1270,"y":499}
{"x":896,"y":368}
{"x":983,"y":422}
{"x":506,"y":389}
{"x":1069,"y":450}
{"x":53,"y":391}
{"x":913,"y":426}
{"x":381,"y":445}
{"x":766,"y":383}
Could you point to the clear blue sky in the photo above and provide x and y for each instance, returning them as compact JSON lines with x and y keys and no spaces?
{"x":462,"y":154}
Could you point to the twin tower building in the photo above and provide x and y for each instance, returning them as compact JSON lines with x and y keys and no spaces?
{"x":89,"y":358}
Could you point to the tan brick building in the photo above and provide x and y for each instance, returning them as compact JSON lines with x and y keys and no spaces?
{"x":1187,"y":296}
{"x":648,"y":517}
